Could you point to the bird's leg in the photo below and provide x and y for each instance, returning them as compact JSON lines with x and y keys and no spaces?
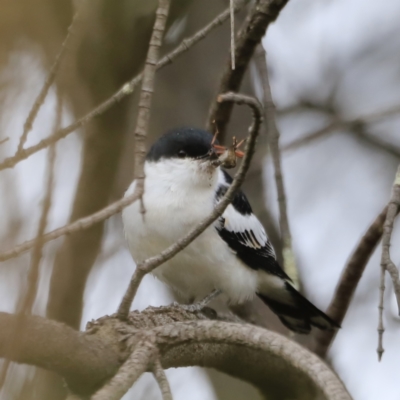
{"x":195,"y":307}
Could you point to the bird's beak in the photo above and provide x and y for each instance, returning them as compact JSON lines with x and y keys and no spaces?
{"x":212,"y":155}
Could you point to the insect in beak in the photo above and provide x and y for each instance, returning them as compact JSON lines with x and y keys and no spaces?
{"x":227,"y":155}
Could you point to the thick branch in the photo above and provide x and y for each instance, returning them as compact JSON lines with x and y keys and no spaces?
{"x":84,"y":360}
{"x":279,"y":367}
{"x":263,"y":13}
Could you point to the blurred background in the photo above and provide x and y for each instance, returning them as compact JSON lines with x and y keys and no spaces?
{"x":332,"y":63}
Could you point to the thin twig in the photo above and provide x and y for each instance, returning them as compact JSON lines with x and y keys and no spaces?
{"x":289,"y":261}
{"x":353,"y":124}
{"x":46,"y":86}
{"x":161,"y":378}
{"x":38,"y":247}
{"x":146,"y":95}
{"x":349,"y":280}
{"x":138,"y":362}
{"x":151,"y":263}
{"x":381,"y":327}
{"x":386,"y":262}
{"x":78,"y":225}
{"x":124,"y":91}
{"x":33,"y":275}
{"x":232,"y":16}
{"x":261,"y":15}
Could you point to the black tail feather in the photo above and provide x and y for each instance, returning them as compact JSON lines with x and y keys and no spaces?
{"x":298,"y":314}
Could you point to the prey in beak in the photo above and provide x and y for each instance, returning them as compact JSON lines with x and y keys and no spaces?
{"x":225,"y":156}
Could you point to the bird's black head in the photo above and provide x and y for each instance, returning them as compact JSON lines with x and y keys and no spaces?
{"x":182,"y":143}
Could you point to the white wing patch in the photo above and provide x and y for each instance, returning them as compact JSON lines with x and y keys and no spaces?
{"x":245,"y":226}
{"x":248,"y":230}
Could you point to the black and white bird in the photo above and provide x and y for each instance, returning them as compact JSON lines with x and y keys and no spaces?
{"x":232,"y":256}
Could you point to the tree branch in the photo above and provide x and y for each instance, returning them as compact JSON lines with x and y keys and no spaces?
{"x":349,"y":280}
{"x":386,"y":262}
{"x":46,"y":86}
{"x":277,"y":366}
{"x":84,"y":360}
{"x":27,"y":299}
{"x":146,"y":95}
{"x":353,"y":124}
{"x":232,"y":17}
{"x":78,"y":225}
{"x":124,"y":91}
{"x":289,"y":260}
{"x":262,"y":14}
{"x":137,"y":363}
{"x":162,"y":380}
{"x":151,"y":263}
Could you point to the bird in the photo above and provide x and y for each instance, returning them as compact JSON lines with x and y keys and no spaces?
{"x":233,"y":257}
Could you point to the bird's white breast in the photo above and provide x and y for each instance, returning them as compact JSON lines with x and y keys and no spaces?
{"x":179,"y":195}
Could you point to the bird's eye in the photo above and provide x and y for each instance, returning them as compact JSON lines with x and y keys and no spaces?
{"x":182,"y":153}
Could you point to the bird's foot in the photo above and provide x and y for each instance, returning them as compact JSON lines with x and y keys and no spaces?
{"x":197,"y":307}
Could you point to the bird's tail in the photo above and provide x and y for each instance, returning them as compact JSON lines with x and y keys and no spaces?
{"x":297,"y":313}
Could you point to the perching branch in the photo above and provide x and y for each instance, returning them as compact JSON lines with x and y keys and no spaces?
{"x":151,"y":263}
{"x":386,"y":262}
{"x":262,"y":14}
{"x":46,"y":86}
{"x":124,"y":91}
{"x":278,"y":367}
{"x":289,"y":261}
{"x":349,"y":280}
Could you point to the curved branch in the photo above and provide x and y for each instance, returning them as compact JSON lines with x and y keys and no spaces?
{"x":263,"y":13}
{"x":280,"y":368}
{"x":151,"y":263}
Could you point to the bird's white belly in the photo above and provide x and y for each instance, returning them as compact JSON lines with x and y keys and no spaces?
{"x":204,"y":265}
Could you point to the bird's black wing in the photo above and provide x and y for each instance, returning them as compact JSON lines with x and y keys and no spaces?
{"x":244,"y":233}
{"x":245,"y":236}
